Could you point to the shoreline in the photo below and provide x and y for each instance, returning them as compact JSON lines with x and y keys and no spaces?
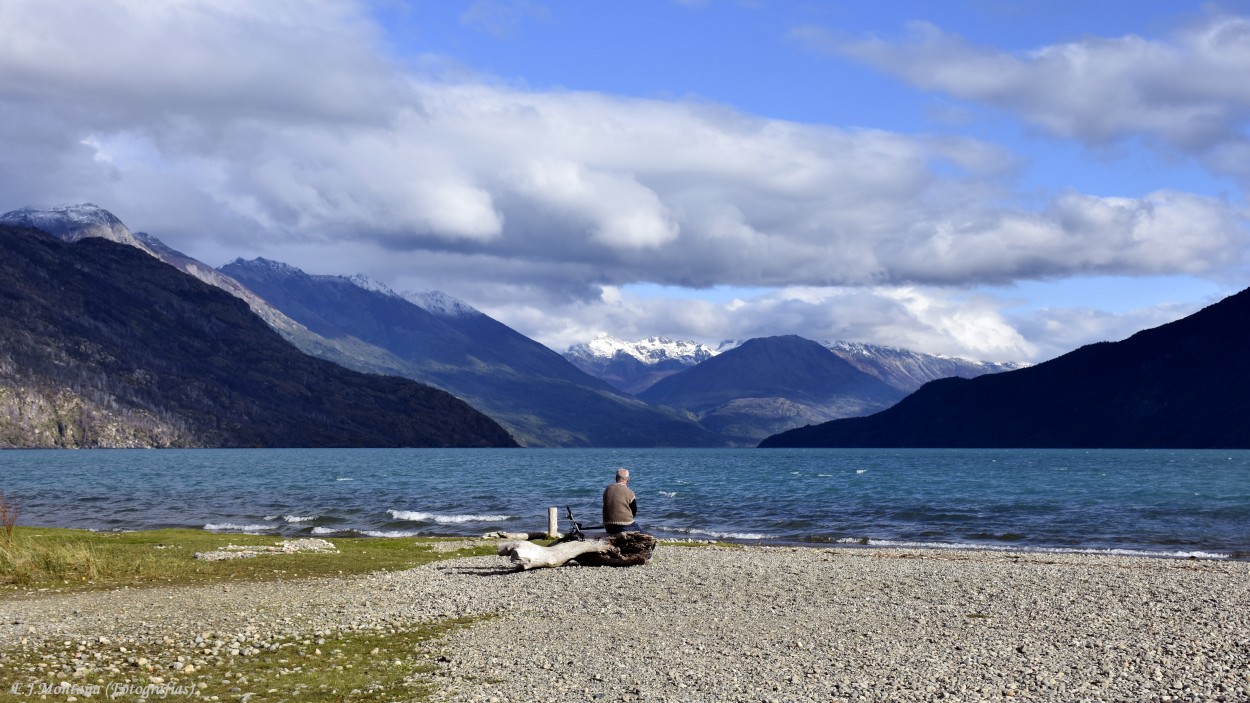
{"x":734,"y":623}
{"x":1241,"y":554}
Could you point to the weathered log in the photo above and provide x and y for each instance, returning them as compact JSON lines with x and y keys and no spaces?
{"x":528,"y":555}
{"x":626,"y":549}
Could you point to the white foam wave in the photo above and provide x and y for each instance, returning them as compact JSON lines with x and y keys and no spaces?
{"x":720,"y":535}
{"x":389,"y":534}
{"x":300,"y":518}
{"x":669,"y":494}
{"x":861,"y":471}
{"x":418,"y":516}
{"x":1108,"y":551}
{"x":344,"y":479}
{"x":232,"y":527}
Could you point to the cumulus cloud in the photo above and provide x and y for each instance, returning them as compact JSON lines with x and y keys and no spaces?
{"x":280,"y":129}
{"x":1185,"y":92}
{"x":934,"y":320}
{"x":1060,"y":330}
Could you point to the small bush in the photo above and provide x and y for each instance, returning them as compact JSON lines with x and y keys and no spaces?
{"x":8,"y":518}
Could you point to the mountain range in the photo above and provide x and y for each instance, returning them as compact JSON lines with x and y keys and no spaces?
{"x":102,"y":345}
{"x":770,"y":384}
{"x":533,"y":391}
{"x":747,"y":391}
{"x":539,"y":397}
{"x":688,"y":394}
{"x":633,"y":367}
{"x":1185,"y":384}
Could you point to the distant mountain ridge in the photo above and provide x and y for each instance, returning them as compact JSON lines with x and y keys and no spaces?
{"x":541,"y":398}
{"x":1184,"y":385}
{"x":101,"y":345}
{"x":534,"y":392}
{"x":73,"y":223}
{"x":633,"y":367}
{"x":907,"y":370}
{"x":771,"y":383}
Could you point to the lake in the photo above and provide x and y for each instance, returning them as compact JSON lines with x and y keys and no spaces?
{"x":1158,"y":502}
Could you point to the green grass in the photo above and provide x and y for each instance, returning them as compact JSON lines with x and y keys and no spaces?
{"x":386,"y":665}
{"x":47,"y":558}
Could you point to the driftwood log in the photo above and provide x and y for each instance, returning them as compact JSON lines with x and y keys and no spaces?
{"x":625,"y":549}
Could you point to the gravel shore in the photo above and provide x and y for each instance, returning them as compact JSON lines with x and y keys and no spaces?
{"x":728,"y":624}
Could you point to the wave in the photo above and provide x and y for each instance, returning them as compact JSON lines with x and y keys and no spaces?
{"x":388,"y":534}
{"x":344,"y":479}
{"x":719,"y":535}
{"x":417,"y":516}
{"x":669,"y":494}
{"x":385,"y":534}
{"x":232,"y":527}
{"x":966,"y":546}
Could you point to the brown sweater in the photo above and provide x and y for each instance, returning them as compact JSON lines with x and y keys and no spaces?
{"x":619,"y":505}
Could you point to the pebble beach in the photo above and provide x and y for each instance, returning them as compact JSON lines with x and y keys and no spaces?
{"x":716,"y":623}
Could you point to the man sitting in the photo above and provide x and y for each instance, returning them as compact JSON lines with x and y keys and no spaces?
{"x":620,"y":506}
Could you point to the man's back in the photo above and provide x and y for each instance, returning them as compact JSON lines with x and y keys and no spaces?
{"x":619,"y":505}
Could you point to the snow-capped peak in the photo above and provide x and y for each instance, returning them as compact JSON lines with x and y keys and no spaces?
{"x":439,"y":303}
{"x":652,"y":350}
{"x":263,"y":264}
{"x":362,"y":281}
{"x":74,"y":222}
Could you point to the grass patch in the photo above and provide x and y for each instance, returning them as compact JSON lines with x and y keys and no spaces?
{"x":48,"y":558}
{"x":395,"y":664}
{"x":398,"y":662}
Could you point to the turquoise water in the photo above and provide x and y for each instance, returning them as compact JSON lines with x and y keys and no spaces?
{"x":1158,"y":502}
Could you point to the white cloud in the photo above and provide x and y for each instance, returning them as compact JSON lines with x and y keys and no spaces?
{"x":1185,"y":92}
{"x":934,"y":320}
{"x":1061,"y":330}
{"x":278,"y":129}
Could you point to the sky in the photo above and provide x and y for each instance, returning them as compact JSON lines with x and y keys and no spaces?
{"x":997,"y":180}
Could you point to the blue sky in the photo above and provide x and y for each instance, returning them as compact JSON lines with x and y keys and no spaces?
{"x":998,"y":180}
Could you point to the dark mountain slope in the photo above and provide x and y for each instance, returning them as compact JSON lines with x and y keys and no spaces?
{"x":542,"y":398}
{"x":131,"y":340}
{"x":1182,"y":385}
{"x":771,"y":383}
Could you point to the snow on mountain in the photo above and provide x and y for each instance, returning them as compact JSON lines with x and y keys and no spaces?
{"x":432,"y":301}
{"x":634,"y":366}
{"x":649,"y":351}
{"x":439,"y":303}
{"x":362,"y":281}
{"x":263,"y":263}
{"x":909,"y":370}
{"x":74,"y":222}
